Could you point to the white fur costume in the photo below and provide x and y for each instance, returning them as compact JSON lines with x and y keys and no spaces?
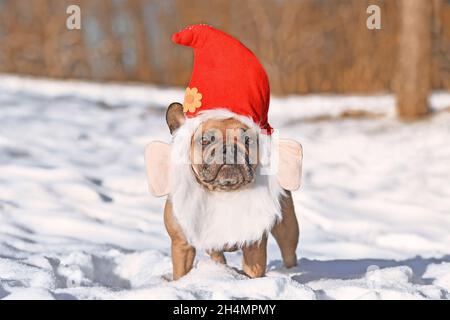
{"x":211,"y":220}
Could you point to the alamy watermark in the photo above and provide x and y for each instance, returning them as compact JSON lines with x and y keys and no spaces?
{"x":73,"y":21}
{"x":373,"y":21}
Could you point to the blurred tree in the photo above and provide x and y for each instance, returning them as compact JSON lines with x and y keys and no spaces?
{"x":143,"y":70}
{"x":414,"y":60}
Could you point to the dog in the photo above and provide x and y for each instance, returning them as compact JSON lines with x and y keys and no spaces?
{"x":223,"y":206}
{"x":227,"y":175}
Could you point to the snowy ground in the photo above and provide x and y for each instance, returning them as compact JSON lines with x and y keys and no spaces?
{"x":77,"y":222}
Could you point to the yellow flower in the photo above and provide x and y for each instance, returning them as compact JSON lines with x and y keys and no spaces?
{"x":192,"y":100}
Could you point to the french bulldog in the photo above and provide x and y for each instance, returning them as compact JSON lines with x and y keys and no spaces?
{"x":218,"y":199}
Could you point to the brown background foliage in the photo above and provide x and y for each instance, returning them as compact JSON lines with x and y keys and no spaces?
{"x":305,"y":45}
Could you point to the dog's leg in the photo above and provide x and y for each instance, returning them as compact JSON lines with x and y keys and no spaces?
{"x":255,"y":259}
{"x":286,"y":232}
{"x":183,"y":254}
{"x":217,"y":256}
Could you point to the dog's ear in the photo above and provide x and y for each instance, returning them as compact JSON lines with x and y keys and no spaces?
{"x":157,"y":164}
{"x":175,"y":116}
{"x":290,"y":164}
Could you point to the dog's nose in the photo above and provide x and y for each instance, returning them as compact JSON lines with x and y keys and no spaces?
{"x":228,"y":175}
{"x":228,"y":182}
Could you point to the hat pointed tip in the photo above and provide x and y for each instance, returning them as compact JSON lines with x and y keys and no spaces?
{"x":183,"y":37}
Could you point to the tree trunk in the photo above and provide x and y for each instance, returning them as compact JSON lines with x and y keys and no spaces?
{"x":414,"y":64}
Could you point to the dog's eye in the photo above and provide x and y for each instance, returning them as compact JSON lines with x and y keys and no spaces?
{"x":205,"y":140}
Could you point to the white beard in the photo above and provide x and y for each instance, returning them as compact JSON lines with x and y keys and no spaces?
{"x":212,"y":220}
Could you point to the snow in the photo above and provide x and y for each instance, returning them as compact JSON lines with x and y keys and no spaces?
{"x":77,"y":221}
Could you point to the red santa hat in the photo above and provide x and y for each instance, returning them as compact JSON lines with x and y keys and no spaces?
{"x":226,"y":75}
